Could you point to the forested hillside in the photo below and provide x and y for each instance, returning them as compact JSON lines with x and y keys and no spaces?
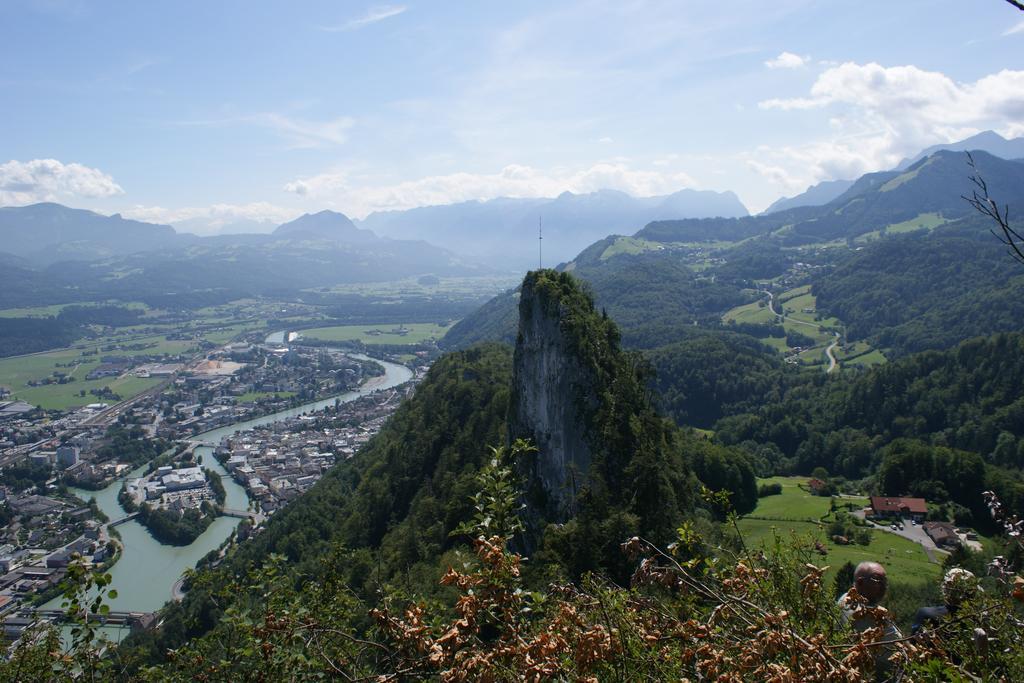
{"x":958,"y":414}
{"x":652,"y":296}
{"x":389,"y":514}
{"x":705,"y":378}
{"x":923,"y":291}
{"x":877,"y":200}
{"x":389,"y":511}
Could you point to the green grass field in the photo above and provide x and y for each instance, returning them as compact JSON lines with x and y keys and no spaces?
{"x":64,"y":396}
{"x":55,"y":309}
{"x":794,"y":514}
{"x":859,"y":354}
{"x":875,"y":357}
{"x":813,"y":356}
{"x":923,"y":221}
{"x":472,"y":287}
{"x":16,"y":371}
{"x":792,"y":294}
{"x":753,"y":313}
{"x":629,"y":245}
{"x":777,"y":343}
{"x":257,"y":395}
{"x":418,"y":332}
{"x":796,"y":301}
{"x":905,"y":561}
{"x":794,"y":503}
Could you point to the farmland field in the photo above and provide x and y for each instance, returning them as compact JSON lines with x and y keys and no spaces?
{"x":904,"y":560}
{"x":629,"y":245}
{"x":378,"y":334}
{"x":64,"y":396}
{"x":794,"y":513}
{"x":754,"y":313}
{"x":77,"y":362}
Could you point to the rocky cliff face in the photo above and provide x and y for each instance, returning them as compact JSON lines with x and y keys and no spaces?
{"x":551,"y":392}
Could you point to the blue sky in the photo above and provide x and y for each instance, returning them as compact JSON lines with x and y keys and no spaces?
{"x":205,"y":113}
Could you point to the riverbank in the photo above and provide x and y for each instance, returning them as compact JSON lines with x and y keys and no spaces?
{"x":147,"y":571}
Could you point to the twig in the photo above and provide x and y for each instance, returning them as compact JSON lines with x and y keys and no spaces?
{"x":987,"y":206}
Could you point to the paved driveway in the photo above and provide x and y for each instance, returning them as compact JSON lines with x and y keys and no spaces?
{"x":914,"y":533}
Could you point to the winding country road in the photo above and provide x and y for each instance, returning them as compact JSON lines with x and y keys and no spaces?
{"x":830,"y":352}
{"x":833,"y":362}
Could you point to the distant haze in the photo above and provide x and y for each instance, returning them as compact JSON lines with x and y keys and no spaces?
{"x":222,"y":120}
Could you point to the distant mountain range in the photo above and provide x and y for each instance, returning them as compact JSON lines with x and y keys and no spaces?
{"x":933,"y":185}
{"x":45,"y":233}
{"x":826,"y":191}
{"x":815,"y":195}
{"x":503,"y":232}
{"x":328,"y":225}
{"x":987,"y":141}
{"x":51,"y":253}
{"x":656,"y":299}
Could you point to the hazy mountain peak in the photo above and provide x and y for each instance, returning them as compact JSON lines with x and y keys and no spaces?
{"x":326,"y":224}
{"x":985,"y":141}
{"x":830,"y":190}
{"x":815,"y":195}
{"x":48,"y":232}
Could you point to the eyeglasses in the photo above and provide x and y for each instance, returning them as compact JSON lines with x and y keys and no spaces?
{"x":874,"y":579}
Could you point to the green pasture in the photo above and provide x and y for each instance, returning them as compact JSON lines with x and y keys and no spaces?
{"x":257,"y":395}
{"x":223,"y":335}
{"x":468,"y":287}
{"x":813,"y":356}
{"x":852,"y":349}
{"x":875,"y":357}
{"x":630,"y":246}
{"x":55,"y":309}
{"x":904,"y":560}
{"x":808,"y":329}
{"x":923,"y":221}
{"x":777,"y":343}
{"x":64,"y":396}
{"x":417,"y":333}
{"x":859,"y":353}
{"x":794,"y":514}
{"x":16,"y":371}
{"x":793,"y":503}
{"x":792,"y":294}
{"x":795,"y":301}
{"x":753,"y":313}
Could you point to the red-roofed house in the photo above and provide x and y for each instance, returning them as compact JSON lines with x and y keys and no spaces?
{"x":816,"y":485}
{"x":894,"y":506}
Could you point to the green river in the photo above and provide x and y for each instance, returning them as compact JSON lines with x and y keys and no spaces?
{"x":148,"y":570}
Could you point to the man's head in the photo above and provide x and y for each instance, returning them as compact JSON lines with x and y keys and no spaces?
{"x":869,"y":580}
{"x":959,"y":586}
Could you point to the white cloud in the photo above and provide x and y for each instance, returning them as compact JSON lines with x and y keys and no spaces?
{"x":211,"y":219}
{"x":340,"y":189}
{"x":300,"y":133}
{"x":47,"y":180}
{"x":909,"y":93}
{"x":306,"y":134}
{"x":777,"y":175}
{"x":880,"y":115}
{"x":787,"y":60}
{"x":371,"y":16}
{"x":1015,"y":29}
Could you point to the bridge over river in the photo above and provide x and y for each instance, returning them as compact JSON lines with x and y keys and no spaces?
{"x":127,"y":518}
{"x":112,"y":618}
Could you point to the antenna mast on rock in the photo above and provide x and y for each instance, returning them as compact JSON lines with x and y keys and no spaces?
{"x":540,"y":242}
